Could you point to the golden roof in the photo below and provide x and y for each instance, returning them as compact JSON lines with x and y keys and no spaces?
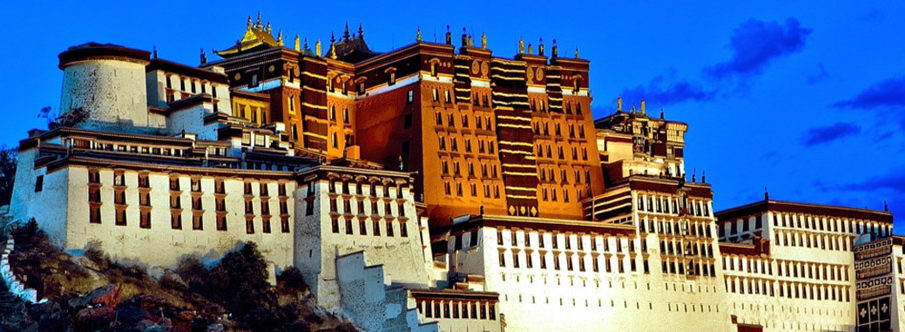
{"x":256,"y":37}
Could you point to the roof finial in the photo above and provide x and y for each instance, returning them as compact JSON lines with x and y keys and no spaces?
{"x":332,"y":47}
{"x":619,"y":104}
{"x":203,"y":57}
{"x":332,"y":38}
{"x":661,"y":113}
{"x":483,"y":40}
{"x":885,"y":206}
{"x":418,"y":36}
{"x":530,"y":49}
{"x":540,"y":47}
{"x":306,"y":43}
{"x":317,"y":48}
{"x":643,"y":106}
{"x":280,"y":37}
{"x":268,"y":27}
{"x":155,"y":51}
{"x":694,"y":175}
{"x":448,"y":36}
{"x":346,"y":33}
{"x":297,"y":41}
{"x":464,"y":38}
{"x":766,"y":194}
{"x":555,"y":49}
{"x":521,"y":46}
{"x":258,"y":24}
{"x":361,"y":32}
{"x":248,"y":25}
{"x":703,"y":176}
{"x":576,"y":52}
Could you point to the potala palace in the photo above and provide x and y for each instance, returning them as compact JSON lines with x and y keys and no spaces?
{"x":437,"y":187}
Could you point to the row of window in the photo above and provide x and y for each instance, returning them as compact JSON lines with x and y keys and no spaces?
{"x":811,"y":240}
{"x":792,"y":290}
{"x":360,"y":207}
{"x":527,"y":239}
{"x":454,"y":145}
{"x":132,"y":148}
{"x":581,"y":193}
{"x":672,"y":205}
{"x":675,"y":227}
{"x":198,"y":220}
{"x":819,"y":223}
{"x":608,"y":266}
{"x":548,"y":173}
{"x":790,"y":269}
{"x":487,"y":171}
{"x":447,"y":189}
{"x":544,"y":129}
{"x":481,"y":122}
{"x":688,"y":267}
{"x":540,"y":148}
{"x":452,"y":309}
{"x":686,"y":248}
{"x":360,"y":189}
{"x":332,"y":114}
{"x":363,"y":226}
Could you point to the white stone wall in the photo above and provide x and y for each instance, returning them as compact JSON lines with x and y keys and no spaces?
{"x":113,"y":91}
{"x":191,"y":120}
{"x":317,"y":245}
{"x":49,"y":206}
{"x":67,"y":221}
{"x":589,"y":300}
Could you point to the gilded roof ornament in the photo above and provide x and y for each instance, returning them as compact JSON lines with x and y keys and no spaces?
{"x":248,"y":25}
{"x":268,"y":28}
{"x":576,"y":52}
{"x":555,"y":49}
{"x":521,"y":46}
{"x":317,"y":48}
{"x":643,"y":106}
{"x":530,"y":49}
{"x":619,"y":104}
{"x":540,"y":47}
{"x":258,"y":25}
{"x":418,"y":36}
{"x":280,"y":37}
{"x":297,"y":40}
{"x":361,"y":32}
{"x":484,"y":41}
{"x":448,"y":36}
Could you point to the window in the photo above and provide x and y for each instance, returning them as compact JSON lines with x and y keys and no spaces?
{"x":250,"y":226}
{"x":407,"y":121}
{"x":145,"y":221}
{"x":436,"y":95}
{"x":95,"y":217}
{"x":345,"y":115}
{"x":332,"y":113}
{"x":121,"y":217}
{"x":265,"y":225}
{"x":446,"y":97}
{"x":39,"y":183}
{"x":254,"y":81}
{"x":410,"y":97}
{"x":176,"y":221}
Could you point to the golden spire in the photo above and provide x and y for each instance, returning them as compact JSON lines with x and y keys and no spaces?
{"x":297,"y":43}
{"x":280,"y":37}
{"x":448,"y":36}
{"x":619,"y":104}
{"x":484,"y":41}
{"x":555,"y":49}
{"x":418,"y":37}
{"x":576,"y":52}
{"x":643,"y":104}
{"x":530,"y":49}
{"x":521,"y":46}
{"x":317,"y":48}
{"x":258,"y":25}
{"x":248,"y":25}
{"x":540,"y":47}
{"x":332,"y":50}
{"x":268,"y":27}
{"x":470,"y":41}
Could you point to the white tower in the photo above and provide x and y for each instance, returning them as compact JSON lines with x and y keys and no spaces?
{"x":108,"y":83}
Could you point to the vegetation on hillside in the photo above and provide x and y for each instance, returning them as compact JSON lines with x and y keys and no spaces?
{"x":94,"y":293}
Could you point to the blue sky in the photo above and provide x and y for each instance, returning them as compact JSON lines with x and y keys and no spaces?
{"x":806,"y":98}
